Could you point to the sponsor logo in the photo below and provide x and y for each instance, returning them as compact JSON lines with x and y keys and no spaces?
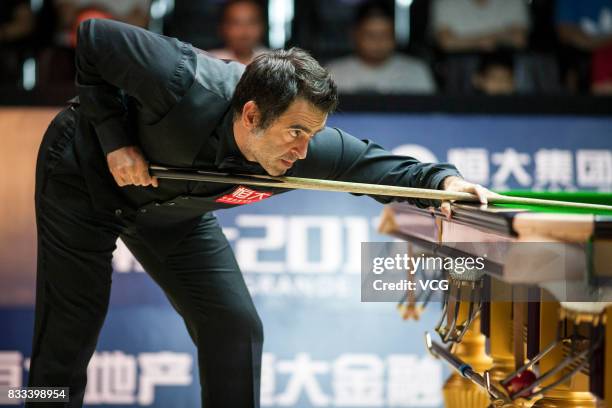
{"x":243,"y":195}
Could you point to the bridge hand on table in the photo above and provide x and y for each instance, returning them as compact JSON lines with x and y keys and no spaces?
{"x":457,"y":184}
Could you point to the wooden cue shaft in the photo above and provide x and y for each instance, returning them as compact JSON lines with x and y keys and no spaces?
{"x":359,"y":188}
{"x":311,"y":184}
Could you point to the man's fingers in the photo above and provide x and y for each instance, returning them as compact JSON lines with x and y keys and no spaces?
{"x":129,"y":167}
{"x":445,"y":208}
{"x":137,"y":179}
{"x":146,"y":179}
{"x":137,"y":175}
{"x":459,"y":185}
{"x":121,"y":181}
{"x":119,"y":177}
{"x":131,"y":176}
{"x":482,"y":194}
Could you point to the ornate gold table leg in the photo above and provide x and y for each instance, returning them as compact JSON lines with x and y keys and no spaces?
{"x":502,"y":341}
{"x":459,"y":392}
{"x":574,"y":393}
{"x":501,"y":331}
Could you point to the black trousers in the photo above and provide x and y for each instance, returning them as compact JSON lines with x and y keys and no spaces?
{"x":200,"y":278}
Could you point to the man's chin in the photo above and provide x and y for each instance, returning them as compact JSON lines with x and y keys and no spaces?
{"x":275,"y":170}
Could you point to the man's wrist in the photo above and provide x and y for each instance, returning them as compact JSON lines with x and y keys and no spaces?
{"x":122,"y":148}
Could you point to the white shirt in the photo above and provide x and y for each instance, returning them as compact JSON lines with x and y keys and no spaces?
{"x":468,"y":17}
{"x":399,"y":74}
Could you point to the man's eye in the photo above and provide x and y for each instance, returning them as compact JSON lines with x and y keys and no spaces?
{"x":295,"y":133}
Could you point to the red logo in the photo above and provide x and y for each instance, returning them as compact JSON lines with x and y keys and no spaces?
{"x":243,"y":195}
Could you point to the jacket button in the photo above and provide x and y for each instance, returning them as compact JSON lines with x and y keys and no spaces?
{"x":143,"y":210}
{"x":118,"y":212}
{"x":157,"y":204}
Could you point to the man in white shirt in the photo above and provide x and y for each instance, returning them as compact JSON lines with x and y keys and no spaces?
{"x":376,"y":67}
{"x":480,"y":25}
{"x":242,"y":29}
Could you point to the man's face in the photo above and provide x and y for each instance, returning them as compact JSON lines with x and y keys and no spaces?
{"x":286,"y":139}
{"x":497,"y":80}
{"x":374,"y":39}
{"x":242,"y":27}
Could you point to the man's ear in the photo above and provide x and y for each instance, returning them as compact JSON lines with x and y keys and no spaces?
{"x":250,"y":115}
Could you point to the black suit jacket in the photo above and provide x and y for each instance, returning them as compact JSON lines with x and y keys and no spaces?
{"x":139,"y":88}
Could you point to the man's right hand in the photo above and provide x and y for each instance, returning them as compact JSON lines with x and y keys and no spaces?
{"x":129,"y":167}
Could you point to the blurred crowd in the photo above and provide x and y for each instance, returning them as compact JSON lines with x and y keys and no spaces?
{"x":496,"y":47}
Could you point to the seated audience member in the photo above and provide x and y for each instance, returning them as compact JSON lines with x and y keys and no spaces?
{"x":495,"y":75}
{"x":602,"y":71}
{"x":480,"y":25}
{"x":16,"y":26}
{"x":376,"y":67}
{"x":56,"y":63}
{"x":585,"y":27}
{"x":135,"y":12}
{"x":242,"y":29}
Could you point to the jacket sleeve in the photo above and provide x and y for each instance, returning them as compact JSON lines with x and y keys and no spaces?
{"x":336,"y":155}
{"x":116,"y":62}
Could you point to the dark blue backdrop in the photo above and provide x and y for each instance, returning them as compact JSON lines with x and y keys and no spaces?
{"x":300,"y":256}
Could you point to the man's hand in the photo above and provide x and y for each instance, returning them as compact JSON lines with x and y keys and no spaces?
{"x":457,"y":184}
{"x":128,"y":166}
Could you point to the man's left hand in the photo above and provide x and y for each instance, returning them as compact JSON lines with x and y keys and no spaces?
{"x":457,"y":184}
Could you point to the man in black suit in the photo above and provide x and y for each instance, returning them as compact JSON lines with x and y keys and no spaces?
{"x":145,"y":98}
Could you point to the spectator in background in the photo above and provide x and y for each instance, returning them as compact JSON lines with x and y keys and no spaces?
{"x":242,"y":29}
{"x":585,"y":27}
{"x":601,"y":83}
{"x":495,"y":74}
{"x":465,"y":29}
{"x":56,"y":62}
{"x":480,"y":25}
{"x":376,"y":67}
{"x":16,"y":21}
{"x":16,"y":27}
{"x":135,"y":12}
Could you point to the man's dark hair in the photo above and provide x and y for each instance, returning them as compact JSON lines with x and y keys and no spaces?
{"x":502,"y":58}
{"x":277,"y":78}
{"x":372,"y":9}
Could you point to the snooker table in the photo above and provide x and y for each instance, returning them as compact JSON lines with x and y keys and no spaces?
{"x":540,"y":329}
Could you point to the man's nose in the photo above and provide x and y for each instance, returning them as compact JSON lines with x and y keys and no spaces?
{"x":301,"y":148}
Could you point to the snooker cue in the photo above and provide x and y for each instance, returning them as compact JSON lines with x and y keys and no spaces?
{"x":299,"y":183}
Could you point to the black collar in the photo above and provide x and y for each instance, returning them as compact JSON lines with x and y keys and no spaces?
{"x":229,"y":157}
